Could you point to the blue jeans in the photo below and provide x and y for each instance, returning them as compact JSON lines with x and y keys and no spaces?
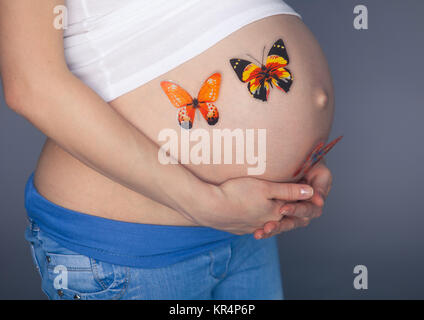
{"x":242,"y":270}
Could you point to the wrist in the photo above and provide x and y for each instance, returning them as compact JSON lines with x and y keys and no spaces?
{"x":204,"y":203}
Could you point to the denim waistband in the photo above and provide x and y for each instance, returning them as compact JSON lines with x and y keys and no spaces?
{"x":123,"y":243}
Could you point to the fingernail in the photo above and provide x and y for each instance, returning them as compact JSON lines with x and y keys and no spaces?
{"x":306,"y":191}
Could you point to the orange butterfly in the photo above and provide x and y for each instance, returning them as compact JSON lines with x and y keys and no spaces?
{"x":188,"y":105}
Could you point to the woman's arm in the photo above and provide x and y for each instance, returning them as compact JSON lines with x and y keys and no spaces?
{"x":39,"y":86}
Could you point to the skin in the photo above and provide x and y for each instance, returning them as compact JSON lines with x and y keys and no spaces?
{"x":101,"y":158}
{"x":300,"y":214}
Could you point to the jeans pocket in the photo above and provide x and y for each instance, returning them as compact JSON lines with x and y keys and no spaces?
{"x":75,"y":272}
{"x":68,"y":275}
{"x":78,"y":277}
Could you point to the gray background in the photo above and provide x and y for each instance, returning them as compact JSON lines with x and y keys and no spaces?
{"x":374,"y":215}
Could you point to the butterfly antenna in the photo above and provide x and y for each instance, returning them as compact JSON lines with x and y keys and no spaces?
{"x":263,"y":55}
{"x":254,"y":59}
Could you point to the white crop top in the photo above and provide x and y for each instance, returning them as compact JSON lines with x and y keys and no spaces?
{"x":115,"y":46}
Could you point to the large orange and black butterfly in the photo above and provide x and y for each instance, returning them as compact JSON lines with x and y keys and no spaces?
{"x":187,"y":105}
{"x":272,"y":73}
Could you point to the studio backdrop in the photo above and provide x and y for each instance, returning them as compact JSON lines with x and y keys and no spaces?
{"x":369,"y":243}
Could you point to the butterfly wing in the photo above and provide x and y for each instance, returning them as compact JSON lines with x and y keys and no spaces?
{"x":308,"y":161}
{"x":177,"y":95}
{"x":182,"y":100}
{"x":186,"y":116}
{"x":276,"y":63}
{"x":279,"y":49}
{"x":319,"y":154}
{"x":210,"y":112}
{"x":252,"y":74}
{"x":316,"y":155}
{"x":208,"y":94}
{"x":330,"y":146}
{"x":243,"y":69}
{"x":259,"y":88}
{"x":210,"y":89}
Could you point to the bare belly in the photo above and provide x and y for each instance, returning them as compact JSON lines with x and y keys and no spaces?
{"x":294,"y":123}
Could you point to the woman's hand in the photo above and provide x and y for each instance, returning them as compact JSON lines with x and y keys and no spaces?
{"x":242,"y":205}
{"x":40,"y":87}
{"x":299,"y":214}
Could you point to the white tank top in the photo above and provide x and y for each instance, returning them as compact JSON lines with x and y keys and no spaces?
{"x":115,"y":46}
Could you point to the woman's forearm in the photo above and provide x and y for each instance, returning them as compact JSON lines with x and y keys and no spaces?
{"x":73,"y":115}
{"x":38,"y":85}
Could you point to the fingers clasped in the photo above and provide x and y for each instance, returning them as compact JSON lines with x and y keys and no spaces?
{"x":304,"y":209}
{"x":299,"y":213}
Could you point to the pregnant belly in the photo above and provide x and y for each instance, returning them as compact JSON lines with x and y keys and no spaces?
{"x":270,"y":139}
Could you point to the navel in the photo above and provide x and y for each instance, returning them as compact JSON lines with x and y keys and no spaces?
{"x":321,"y":99}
